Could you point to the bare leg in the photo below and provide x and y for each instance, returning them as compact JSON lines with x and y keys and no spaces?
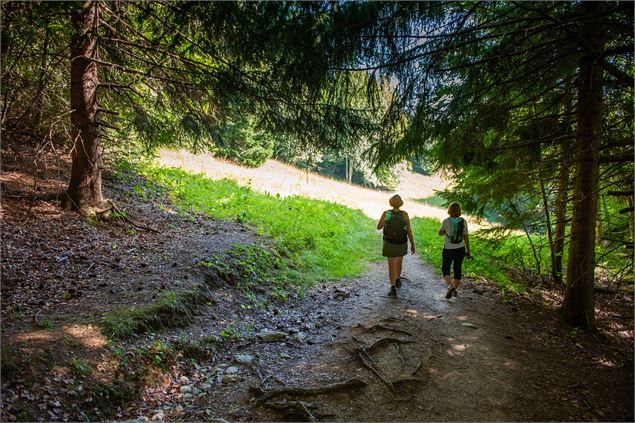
{"x":399,"y":266}
{"x":392,"y":270}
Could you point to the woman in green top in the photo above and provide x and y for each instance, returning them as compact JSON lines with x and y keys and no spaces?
{"x":397,"y":233}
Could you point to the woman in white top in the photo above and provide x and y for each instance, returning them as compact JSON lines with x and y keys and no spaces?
{"x":455,"y":248}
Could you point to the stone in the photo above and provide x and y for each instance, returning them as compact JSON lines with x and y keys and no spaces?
{"x":158,"y":416}
{"x":232,"y":370}
{"x":244,"y":358}
{"x":285,"y":355}
{"x":206,"y":386}
{"x":271,"y":335}
{"x":186,"y":389}
{"x":178,"y":409}
{"x":184,"y":380}
{"x":470,"y":325}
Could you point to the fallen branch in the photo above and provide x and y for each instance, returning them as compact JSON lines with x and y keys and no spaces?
{"x":266,"y":395}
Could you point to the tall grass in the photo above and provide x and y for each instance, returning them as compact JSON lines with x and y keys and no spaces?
{"x":325,"y":239}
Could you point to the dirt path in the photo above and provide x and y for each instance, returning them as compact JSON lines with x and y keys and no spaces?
{"x":475,"y":358}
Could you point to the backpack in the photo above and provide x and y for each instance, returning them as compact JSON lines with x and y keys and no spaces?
{"x":395,"y":230}
{"x":457,"y":225}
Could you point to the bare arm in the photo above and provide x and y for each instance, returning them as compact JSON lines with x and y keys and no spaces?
{"x":410,"y":236}
{"x":466,"y":238}
{"x":382,"y":220}
{"x":441,"y":230}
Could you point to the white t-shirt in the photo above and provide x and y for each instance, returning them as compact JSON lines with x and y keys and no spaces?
{"x":448,"y":232}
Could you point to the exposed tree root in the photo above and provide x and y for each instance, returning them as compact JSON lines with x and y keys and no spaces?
{"x":375,"y":328}
{"x":293,"y":408}
{"x":266,"y":395}
{"x":121,"y":215}
{"x":384,"y":341}
{"x":369,"y":363}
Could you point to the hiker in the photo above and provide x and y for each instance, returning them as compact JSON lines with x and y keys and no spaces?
{"x":456,"y":247}
{"x":397,"y":233}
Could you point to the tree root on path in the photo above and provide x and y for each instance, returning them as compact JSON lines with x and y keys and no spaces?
{"x":368,"y":362}
{"x":388,"y":340}
{"x":121,"y":215}
{"x":293,"y":408}
{"x":376,"y":327}
{"x":276,"y":392}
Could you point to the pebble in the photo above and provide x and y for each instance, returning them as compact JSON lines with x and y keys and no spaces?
{"x":232,"y":370}
{"x":184,"y":380}
{"x":285,"y":355}
{"x":244,"y":358}
{"x":186,"y":389}
{"x":470,"y":325}
{"x":271,"y":335}
{"x":158,"y":416}
{"x":206,"y":386}
{"x":178,"y":409}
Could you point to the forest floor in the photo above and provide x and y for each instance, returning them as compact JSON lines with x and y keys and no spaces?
{"x":482,"y":356}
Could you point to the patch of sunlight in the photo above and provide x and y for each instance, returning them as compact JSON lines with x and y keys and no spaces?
{"x":460,"y":347}
{"x":605,"y":362}
{"x":87,"y":335}
{"x":412,"y":312}
{"x":461,"y":318}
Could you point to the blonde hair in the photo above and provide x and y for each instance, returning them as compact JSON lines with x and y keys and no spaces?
{"x":396,"y":201}
{"x":454,"y":210}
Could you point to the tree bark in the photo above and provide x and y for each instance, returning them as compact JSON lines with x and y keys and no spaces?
{"x":84,"y":190}
{"x":563,"y":190}
{"x":578,"y":307}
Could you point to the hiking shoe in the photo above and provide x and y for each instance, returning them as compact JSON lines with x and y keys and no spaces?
{"x":448,"y":294}
{"x":393,"y":292}
{"x":454,"y":294}
{"x":398,"y":283}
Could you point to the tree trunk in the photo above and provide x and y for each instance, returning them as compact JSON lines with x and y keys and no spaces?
{"x":578,"y":307}
{"x":84,"y":190}
{"x":563,"y":190}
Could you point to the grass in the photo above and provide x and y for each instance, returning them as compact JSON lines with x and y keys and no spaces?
{"x":325,"y":240}
{"x":488,"y":262}
{"x":172,"y":309}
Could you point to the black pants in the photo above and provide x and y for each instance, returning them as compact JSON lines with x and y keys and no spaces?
{"x":452,"y":256}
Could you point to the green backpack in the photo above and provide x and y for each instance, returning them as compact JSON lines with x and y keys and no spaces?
{"x":395,"y":230}
{"x":457,"y":225}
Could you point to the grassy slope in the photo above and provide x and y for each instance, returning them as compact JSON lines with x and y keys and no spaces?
{"x":326,"y":240}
